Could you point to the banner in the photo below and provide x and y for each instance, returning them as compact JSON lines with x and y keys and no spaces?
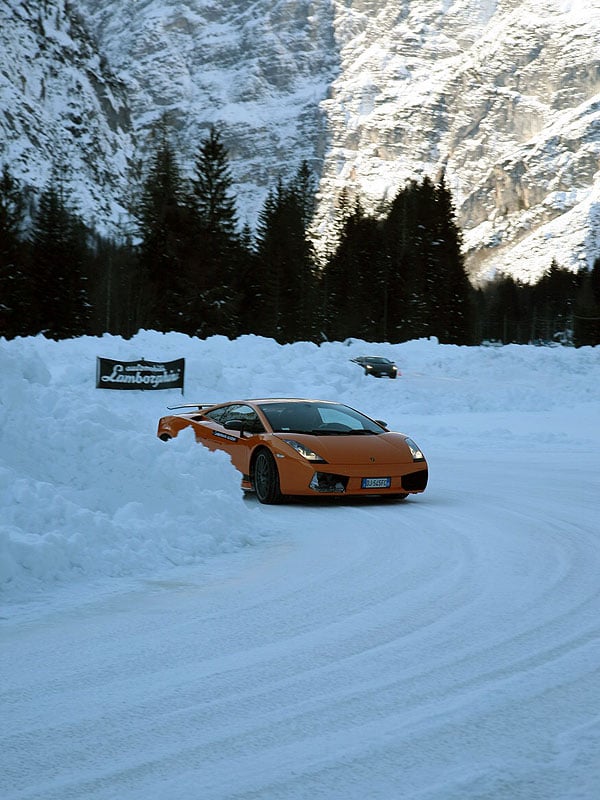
{"x":139,"y":374}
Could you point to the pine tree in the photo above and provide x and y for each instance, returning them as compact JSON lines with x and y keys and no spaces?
{"x":506,"y":310}
{"x":164,"y":228}
{"x":247,"y":283}
{"x":287,"y":300}
{"x":587,"y":309}
{"x":428,"y":291}
{"x":13,"y":279}
{"x":217,"y":262}
{"x":59,"y":305}
{"x":212,"y":189}
{"x":404,"y":272}
{"x":424,"y":262}
{"x":303,"y":186}
{"x":451,"y":297}
{"x":352,"y":308}
{"x":553,"y":300}
{"x":266,"y":278}
{"x":303,"y":306}
{"x":112,"y":278}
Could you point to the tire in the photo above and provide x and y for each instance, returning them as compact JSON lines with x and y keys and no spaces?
{"x":266,"y":478}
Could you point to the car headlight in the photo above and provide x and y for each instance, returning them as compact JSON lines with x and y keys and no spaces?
{"x":305,"y":452}
{"x":415,"y":450}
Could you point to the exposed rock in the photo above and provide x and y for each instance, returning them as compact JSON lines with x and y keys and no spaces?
{"x":504,"y":96}
{"x":63,"y":109}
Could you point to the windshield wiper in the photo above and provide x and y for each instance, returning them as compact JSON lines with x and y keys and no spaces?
{"x":349,"y":432}
{"x":331,"y":432}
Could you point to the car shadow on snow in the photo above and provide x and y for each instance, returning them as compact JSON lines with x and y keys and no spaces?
{"x":334,"y":502}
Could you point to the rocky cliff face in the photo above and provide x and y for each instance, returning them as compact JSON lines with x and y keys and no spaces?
{"x":504,"y":96}
{"x":259,"y":69}
{"x":62,"y":108}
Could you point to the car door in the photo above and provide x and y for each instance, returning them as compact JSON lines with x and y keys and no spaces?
{"x":238,"y":444}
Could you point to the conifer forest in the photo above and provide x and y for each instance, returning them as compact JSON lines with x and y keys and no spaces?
{"x":186,"y":265}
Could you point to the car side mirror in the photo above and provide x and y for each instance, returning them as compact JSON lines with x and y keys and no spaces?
{"x":234,"y":425}
{"x":382,"y":423}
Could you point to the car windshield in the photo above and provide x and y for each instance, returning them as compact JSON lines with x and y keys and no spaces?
{"x":320,"y":419}
{"x":377,"y":361}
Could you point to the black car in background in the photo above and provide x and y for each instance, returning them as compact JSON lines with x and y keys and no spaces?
{"x":377,"y":366}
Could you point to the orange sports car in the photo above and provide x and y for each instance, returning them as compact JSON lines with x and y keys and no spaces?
{"x":305,"y":447}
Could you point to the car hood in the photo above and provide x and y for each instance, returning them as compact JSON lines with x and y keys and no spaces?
{"x":383,"y":448}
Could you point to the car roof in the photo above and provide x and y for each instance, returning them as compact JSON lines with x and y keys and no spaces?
{"x":188,"y":408}
{"x":204,"y":407}
{"x":268,"y":400}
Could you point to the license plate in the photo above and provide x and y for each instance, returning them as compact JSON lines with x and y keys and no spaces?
{"x":376,"y":483}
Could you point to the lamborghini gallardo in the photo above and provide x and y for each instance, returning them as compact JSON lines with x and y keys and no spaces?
{"x":289,"y":447}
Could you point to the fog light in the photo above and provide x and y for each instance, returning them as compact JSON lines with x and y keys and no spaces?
{"x":325,"y":482}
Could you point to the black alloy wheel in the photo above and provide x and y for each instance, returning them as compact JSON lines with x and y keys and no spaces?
{"x":266,"y":479}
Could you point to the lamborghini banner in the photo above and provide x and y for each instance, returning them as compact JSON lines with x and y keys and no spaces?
{"x":139,"y":374}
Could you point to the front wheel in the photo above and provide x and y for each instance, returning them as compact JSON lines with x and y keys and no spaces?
{"x":266,"y":479}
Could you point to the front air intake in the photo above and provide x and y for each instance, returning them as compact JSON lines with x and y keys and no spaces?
{"x":416,"y":481}
{"x":326,"y":482}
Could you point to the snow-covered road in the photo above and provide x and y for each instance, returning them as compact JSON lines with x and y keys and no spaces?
{"x":444,"y":648}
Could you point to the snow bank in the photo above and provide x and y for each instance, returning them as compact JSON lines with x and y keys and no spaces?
{"x":87,"y":490}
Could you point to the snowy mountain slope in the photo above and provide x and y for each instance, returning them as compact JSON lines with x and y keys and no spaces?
{"x":504,"y":96}
{"x":258,"y":69}
{"x":62,"y":108}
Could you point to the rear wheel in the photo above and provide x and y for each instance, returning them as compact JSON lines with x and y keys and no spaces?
{"x":266,"y":478}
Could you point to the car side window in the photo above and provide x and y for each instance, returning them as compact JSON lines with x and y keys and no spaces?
{"x":247,"y":414}
{"x":218,"y":414}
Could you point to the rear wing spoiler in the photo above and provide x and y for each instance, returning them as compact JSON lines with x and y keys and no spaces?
{"x":198,"y":406}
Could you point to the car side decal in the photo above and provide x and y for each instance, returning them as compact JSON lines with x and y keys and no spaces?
{"x":226,"y":436}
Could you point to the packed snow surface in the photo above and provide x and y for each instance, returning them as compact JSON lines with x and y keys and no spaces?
{"x":163,"y":637}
